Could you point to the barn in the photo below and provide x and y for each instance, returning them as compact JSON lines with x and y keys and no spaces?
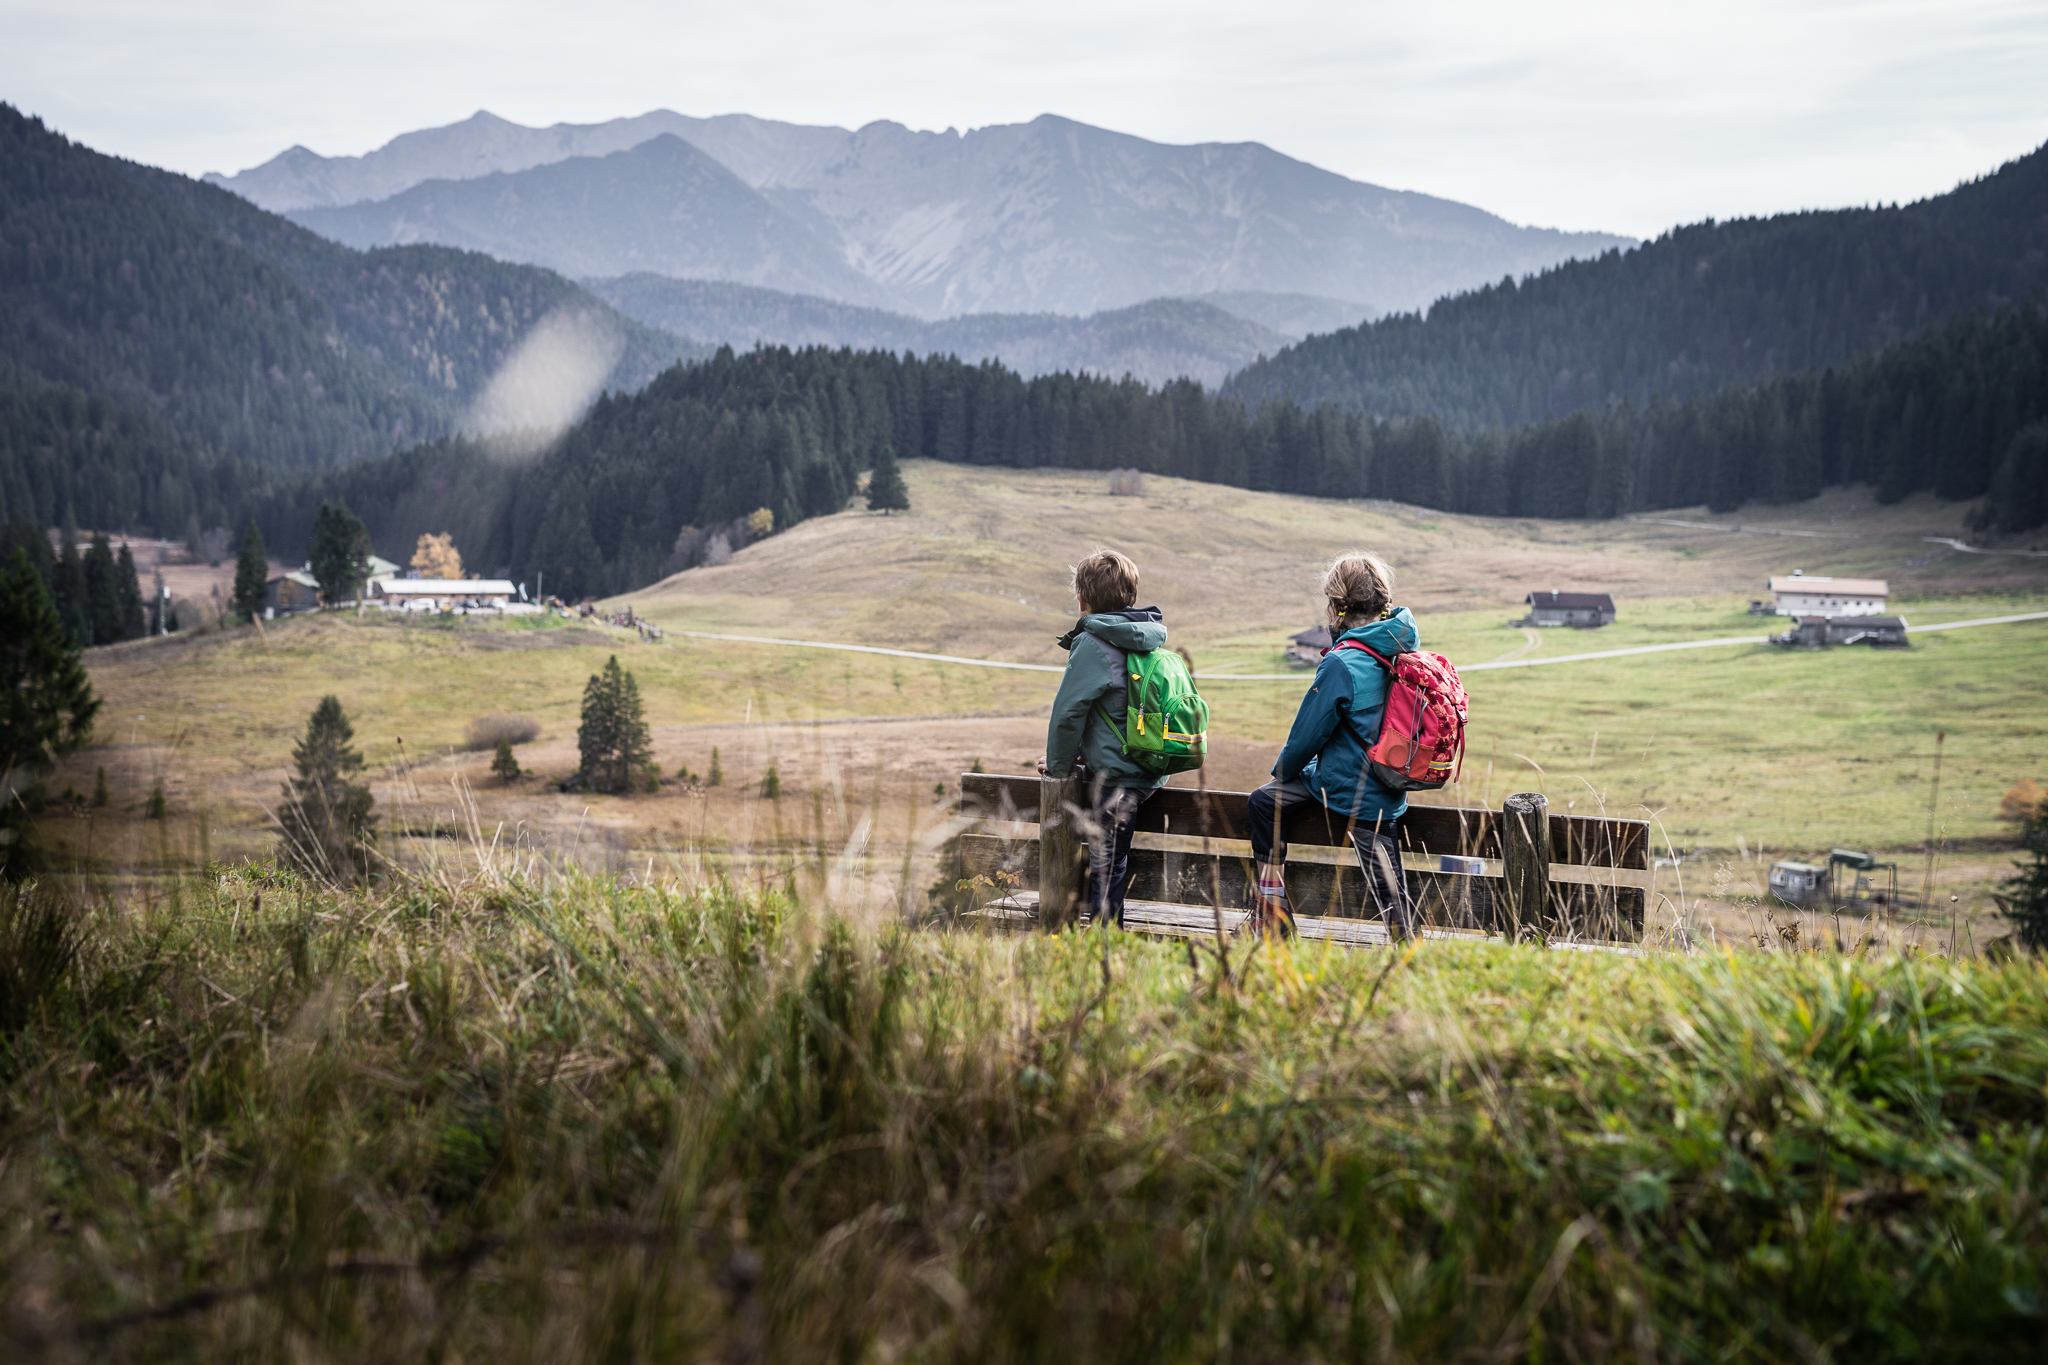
{"x":1580,"y":609}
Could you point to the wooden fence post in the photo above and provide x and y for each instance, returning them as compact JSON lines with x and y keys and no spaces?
{"x":1062,"y":853}
{"x":1525,"y":846}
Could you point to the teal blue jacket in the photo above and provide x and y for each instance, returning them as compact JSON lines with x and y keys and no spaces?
{"x":1095,"y":676}
{"x":1324,"y":749}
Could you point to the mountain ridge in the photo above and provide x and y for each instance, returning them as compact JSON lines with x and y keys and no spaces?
{"x":1049,"y":216}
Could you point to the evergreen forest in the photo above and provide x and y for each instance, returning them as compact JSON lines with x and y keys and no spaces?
{"x":626,"y":496}
{"x":1697,"y":309}
{"x":166,"y":347}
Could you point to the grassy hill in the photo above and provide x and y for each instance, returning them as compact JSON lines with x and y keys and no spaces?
{"x":1744,"y":750}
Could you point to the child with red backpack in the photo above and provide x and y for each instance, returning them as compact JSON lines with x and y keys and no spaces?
{"x":1380,"y":719}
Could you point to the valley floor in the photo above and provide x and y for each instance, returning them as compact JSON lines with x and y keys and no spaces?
{"x":1741,"y":754}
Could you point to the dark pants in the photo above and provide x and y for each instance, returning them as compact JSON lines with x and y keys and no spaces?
{"x":1113,"y":814}
{"x":1379,"y":850}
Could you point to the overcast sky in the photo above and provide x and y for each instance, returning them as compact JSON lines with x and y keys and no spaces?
{"x":1622,"y":116}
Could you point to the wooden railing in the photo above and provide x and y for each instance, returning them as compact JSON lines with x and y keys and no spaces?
{"x":1555,"y":877}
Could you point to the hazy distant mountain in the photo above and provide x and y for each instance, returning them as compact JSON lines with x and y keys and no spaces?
{"x":662,"y":206}
{"x":1291,"y":315}
{"x":1156,"y":341}
{"x":1047,"y":216}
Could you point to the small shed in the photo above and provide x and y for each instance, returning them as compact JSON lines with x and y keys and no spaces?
{"x":1581,"y":609}
{"x":1804,"y":594}
{"x":290,"y":592}
{"x":1818,"y":632}
{"x":1306,"y":649}
{"x":1885,"y":632}
{"x":1799,"y":883}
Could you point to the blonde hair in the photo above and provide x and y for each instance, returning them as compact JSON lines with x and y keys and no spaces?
{"x":1106,"y":581}
{"x":1358,"y":586}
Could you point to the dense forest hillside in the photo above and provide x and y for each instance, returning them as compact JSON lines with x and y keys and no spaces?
{"x":111,"y":289}
{"x":637,"y":489}
{"x":443,"y":319}
{"x":163,"y":343}
{"x":1698,"y":308}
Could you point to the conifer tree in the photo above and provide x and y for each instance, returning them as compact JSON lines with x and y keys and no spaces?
{"x":22,"y":534}
{"x":338,"y":552}
{"x":326,"y":817}
{"x":102,"y":594}
{"x":886,"y":490}
{"x":716,"y":777}
{"x":252,"y":574}
{"x":46,"y":701}
{"x":504,"y":765}
{"x":128,"y":593}
{"x":69,"y":589}
{"x":612,"y":739}
{"x":2023,"y":897}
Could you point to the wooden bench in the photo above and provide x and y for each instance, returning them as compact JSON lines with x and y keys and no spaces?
{"x":1558,"y":878}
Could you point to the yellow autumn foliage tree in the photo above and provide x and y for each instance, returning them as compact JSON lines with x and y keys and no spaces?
{"x":436,"y":557}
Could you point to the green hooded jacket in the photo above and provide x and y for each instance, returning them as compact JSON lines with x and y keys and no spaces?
{"x":1095,"y":674}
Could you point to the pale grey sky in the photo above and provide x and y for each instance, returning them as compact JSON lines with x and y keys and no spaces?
{"x":1622,"y":116}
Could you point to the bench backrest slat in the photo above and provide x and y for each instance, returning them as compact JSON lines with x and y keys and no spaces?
{"x":1582,"y":840}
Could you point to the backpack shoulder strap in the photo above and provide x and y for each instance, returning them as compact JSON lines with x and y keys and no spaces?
{"x":1385,"y":662}
{"x":1119,"y":663}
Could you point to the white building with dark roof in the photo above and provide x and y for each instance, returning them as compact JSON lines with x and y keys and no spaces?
{"x":441,"y":594}
{"x":1803,"y":594}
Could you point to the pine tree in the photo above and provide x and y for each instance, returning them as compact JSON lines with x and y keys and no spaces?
{"x":504,"y":765}
{"x":325,"y":817}
{"x":886,"y":491}
{"x":338,"y":553}
{"x":46,"y":701}
{"x":22,"y":534}
{"x":716,"y":777}
{"x":771,"y":783}
{"x":102,"y":596}
{"x":252,"y":574}
{"x":128,"y":593}
{"x":612,"y":738}
{"x":2023,"y":897}
{"x":68,"y":590}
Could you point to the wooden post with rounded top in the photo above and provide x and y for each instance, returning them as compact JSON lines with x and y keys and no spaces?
{"x":1525,"y":846}
{"x":1062,"y":853}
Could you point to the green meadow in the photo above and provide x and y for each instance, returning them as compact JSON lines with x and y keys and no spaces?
{"x":511,"y":1113}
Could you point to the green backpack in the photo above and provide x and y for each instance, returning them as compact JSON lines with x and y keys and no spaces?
{"x":1168,"y":726}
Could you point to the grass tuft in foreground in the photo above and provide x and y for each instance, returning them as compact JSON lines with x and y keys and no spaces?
{"x":568,"y":1119}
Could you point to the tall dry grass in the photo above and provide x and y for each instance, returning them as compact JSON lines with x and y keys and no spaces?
{"x":520,"y":1113}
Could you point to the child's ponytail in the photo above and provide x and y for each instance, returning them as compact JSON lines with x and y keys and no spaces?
{"x":1359,"y":587}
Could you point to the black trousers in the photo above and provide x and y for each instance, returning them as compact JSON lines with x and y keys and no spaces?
{"x":1379,"y":850}
{"x":1113,"y":814}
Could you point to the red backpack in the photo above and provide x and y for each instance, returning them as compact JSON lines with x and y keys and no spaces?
{"x":1421,"y":744}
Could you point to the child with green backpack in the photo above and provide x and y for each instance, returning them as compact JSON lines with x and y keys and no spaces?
{"x":1126,"y":717}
